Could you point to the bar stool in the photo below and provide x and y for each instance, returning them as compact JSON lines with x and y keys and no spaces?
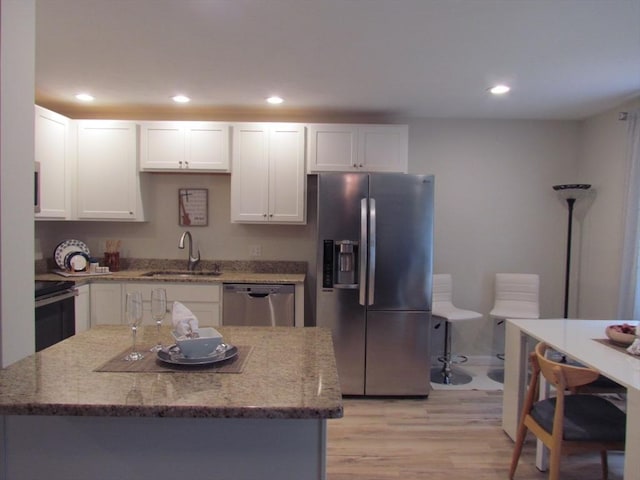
{"x":516,"y":296}
{"x":442,"y":308}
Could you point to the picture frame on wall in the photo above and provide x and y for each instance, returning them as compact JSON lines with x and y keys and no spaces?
{"x":193,"y":207}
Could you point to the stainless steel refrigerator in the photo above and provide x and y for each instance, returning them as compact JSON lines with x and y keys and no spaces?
{"x":374,"y":276}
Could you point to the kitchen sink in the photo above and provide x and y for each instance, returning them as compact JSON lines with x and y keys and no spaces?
{"x":182,"y":273}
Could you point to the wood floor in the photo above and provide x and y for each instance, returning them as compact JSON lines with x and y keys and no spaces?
{"x":452,"y":435}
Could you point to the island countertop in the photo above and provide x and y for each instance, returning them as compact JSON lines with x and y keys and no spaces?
{"x":289,"y":373}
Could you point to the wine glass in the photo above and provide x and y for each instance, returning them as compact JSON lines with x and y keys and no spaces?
{"x":134,"y":317}
{"x":134,"y":396}
{"x":158,"y":311}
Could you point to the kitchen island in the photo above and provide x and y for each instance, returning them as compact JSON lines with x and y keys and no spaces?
{"x":62,"y":419}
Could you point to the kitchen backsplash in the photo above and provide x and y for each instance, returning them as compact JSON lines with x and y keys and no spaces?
{"x":158,"y":237}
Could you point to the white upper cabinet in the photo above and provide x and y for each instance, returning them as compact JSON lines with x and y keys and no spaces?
{"x":268,"y":183}
{"x":184,"y":146}
{"x":108,"y":181}
{"x":363,"y":148}
{"x":53,"y":151}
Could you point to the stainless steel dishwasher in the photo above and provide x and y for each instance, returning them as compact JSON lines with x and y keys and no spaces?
{"x":248,"y":304}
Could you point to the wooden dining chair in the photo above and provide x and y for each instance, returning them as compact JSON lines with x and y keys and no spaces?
{"x":567,"y":423}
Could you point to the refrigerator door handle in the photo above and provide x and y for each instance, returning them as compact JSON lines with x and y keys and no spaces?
{"x":362,"y":267}
{"x":372,"y":250}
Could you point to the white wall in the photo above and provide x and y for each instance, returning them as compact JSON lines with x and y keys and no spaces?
{"x":604,"y":163}
{"x":17,"y":328}
{"x":496,"y":210}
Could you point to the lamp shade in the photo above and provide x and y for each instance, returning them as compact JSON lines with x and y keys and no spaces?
{"x":573,"y":191}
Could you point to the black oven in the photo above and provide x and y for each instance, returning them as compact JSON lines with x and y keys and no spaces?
{"x":55,"y":312}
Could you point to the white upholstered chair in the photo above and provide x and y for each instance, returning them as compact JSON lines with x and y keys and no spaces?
{"x":517,"y":295}
{"x":443,"y":311}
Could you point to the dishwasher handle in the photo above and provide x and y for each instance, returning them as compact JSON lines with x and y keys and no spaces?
{"x":258,"y":295}
{"x":258,"y":290}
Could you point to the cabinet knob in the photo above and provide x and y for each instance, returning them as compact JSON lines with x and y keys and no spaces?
{"x":130,"y":213}
{"x":264,"y":215}
{"x":180,"y":163}
{"x":271,"y":214}
{"x":186,"y":164}
{"x":361,"y":165}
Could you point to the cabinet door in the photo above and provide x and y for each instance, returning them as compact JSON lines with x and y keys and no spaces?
{"x":181,"y":146}
{"x":250,"y":174}
{"x":162,"y":146}
{"x":202,"y":299}
{"x":53,"y":152}
{"x":83,"y":309}
{"x":207,"y":146}
{"x":287,"y":185}
{"x":106,"y":304}
{"x":363,"y":148}
{"x":108,"y":183}
{"x":383,"y":148}
{"x":333,"y":147}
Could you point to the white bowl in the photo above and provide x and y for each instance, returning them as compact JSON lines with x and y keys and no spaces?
{"x":618,"y":337}
{"x":205,"y":344}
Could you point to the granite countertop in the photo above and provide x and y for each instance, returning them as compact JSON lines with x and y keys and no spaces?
{"x":135,"y":269}
{"x":224,"y":277}
{"x":290,"y":373}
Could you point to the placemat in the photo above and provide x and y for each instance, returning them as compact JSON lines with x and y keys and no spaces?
{"x":605,"y":341}
{"x":151,"y":364}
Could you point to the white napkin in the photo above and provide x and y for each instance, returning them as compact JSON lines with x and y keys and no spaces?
{"x":184,"y":321}
{"x":634,"y":348}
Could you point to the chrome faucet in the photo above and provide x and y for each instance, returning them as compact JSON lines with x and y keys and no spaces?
{"x":193,"y":261}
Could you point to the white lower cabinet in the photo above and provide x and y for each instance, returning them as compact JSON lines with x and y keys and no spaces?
{"x":202,"y":299}
{"x":83,"y":308}
{"x":107,"y":305}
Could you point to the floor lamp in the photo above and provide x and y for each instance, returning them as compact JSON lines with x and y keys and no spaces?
{"x":570,"y":193}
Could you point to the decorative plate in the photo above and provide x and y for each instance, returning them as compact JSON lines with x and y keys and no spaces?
{"x":173,"y":355}
{"x":65,"y":248}
{"x":76,"y":261}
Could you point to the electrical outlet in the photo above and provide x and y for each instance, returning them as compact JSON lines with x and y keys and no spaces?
{"x":255,"y":250}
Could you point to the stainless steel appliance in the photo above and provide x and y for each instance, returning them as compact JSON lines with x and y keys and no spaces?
{"x":54,"y":312}
{"x":258,"y":305}
{"x":374,"y":279}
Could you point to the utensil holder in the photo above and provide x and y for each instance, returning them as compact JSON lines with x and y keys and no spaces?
{"x":112,"y":260}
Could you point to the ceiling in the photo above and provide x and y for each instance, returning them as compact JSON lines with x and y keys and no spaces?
{"x":564,"y":59}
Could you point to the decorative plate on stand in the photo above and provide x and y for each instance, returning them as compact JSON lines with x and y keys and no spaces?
{"x":65,"y":248}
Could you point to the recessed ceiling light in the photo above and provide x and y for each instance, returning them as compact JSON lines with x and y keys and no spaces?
{"x":181,"y":99}
{"x":84,"y":97}
{"x":275,"y":100}
{"x":499,"y":89}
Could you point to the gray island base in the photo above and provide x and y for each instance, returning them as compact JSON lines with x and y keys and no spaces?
{"x":63,"y":420}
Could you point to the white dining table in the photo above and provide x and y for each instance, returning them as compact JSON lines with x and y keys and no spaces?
{"x":578,"y":340}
